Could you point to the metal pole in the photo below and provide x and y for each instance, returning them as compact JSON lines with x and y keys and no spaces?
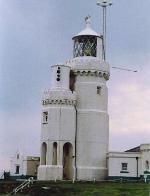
{"x":102,"y":30}
{"x":104,"y":4}
{"x":105,"y":15}
{"x":104,"y":33}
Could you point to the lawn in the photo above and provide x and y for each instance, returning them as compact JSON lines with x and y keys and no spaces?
{"x":90,"y":189}
{"x":67,"y":188}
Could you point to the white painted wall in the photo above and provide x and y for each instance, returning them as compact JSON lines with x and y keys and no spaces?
{"x":21,"y":162}
{"x":92,"y":118}
{"x":115,"y":164}
{"x":99,"y":47}
{"x":116,"y":158}
{"x":61,"y":124}
{"x":145,"y":156}
{"x":64,"y":77}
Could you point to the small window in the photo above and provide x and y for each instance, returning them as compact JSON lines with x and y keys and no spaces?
{"x":17,"y":169}
{"x":124,"y":166}
{"x":99,"y":88}
{"x":72,"y":81}
{"x":17,"y":156}
{"x":45,"y":117}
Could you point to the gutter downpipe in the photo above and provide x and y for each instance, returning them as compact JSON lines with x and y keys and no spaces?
{"x":137,"y":167}
{"x":76,"y":172}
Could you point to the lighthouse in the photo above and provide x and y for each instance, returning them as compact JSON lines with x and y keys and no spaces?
{"x":75,"y":121}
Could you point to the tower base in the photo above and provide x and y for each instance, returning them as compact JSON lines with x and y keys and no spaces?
{"x":92,"y":173}
{"x":50,"y":172}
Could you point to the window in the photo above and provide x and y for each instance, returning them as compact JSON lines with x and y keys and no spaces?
{"x":17,"y":169}
{"x":124,"y":166}
{"x":17,"y":156}
{"x":45,"y":117}
{"x":99,"y":88}
{"x":72,"y":81}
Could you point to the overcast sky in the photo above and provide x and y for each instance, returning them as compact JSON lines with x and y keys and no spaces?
{"x":35,"y":34}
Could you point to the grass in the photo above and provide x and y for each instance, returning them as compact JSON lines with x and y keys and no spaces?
{"x":90,"y":189}
{"x":67,"y":188}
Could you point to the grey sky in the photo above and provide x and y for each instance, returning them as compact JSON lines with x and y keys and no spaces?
{"x":35,"y":34}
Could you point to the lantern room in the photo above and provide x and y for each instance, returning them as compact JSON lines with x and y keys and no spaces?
{"x":88,"y":42}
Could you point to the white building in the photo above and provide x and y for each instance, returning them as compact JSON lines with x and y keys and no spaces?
{"x":75,"y":122}
{"x":133,"y":163}
{"x":23,"y":166}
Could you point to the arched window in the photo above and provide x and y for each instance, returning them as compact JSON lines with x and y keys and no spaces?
{"x":147,"y":165}
{"x":54,"y":162}
{"x":67,"y":161}
{"x":43,"y":153}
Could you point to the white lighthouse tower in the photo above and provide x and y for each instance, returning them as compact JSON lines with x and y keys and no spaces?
{"x":92,"y":97}
{"x":75,"y":124}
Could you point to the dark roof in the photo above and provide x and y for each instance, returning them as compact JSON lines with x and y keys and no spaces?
{"x":136,"y":149}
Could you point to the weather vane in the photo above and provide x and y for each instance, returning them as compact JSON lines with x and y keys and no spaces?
{"x":104,"y":4}
{"x":88,"y":20}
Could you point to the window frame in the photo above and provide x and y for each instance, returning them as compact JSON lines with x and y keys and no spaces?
{"x":17,"y":169}
{"x":99,"y":90}
{"x":45,"y":117}
{"x":124,"y":166}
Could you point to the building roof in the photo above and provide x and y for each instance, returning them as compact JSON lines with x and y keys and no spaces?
{"x":33,"y":158}
{"x":88,"y":31}
{"x":135,"y":149}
